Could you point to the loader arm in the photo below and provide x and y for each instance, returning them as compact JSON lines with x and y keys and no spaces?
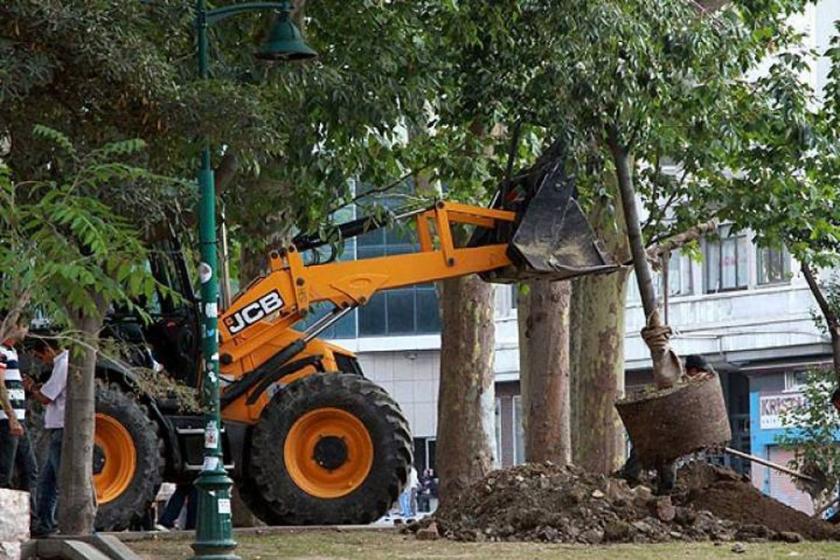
{"x":272,"y":304}
{"x":534,"y":228}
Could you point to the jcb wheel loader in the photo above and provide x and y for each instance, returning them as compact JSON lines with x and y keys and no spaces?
{"x":307,"y":438}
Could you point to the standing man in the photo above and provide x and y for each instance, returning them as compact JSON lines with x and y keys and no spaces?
{"x":15,"y":448}
{"x":52,"y":395}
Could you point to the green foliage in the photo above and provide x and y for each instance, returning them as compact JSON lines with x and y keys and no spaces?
{"x":785,"y":150}
{"x":813,"y":433}
{"x":831,"y":290}
{"x":667,"y":80}
{"x":64,"y":250}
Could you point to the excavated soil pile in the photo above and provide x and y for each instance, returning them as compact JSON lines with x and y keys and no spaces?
{"x":728,"y":496}
{"x":545,"y":502}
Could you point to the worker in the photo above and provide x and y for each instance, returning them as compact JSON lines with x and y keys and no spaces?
{"x":15,"y":447}
{"x":52,"y":395}
{"x":666,"y":473}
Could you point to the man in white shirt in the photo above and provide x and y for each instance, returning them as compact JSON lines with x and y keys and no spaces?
{"x":52,"y":395}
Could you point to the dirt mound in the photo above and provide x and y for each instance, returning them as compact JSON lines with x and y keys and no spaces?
{"x":545,"y":502}
{"x":729,"y":496}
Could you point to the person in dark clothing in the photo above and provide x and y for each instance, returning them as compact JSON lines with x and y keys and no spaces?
{"x":666,"y":473}
{"x":424,"y":496}
{"x":16,"y":452}
{"x":184,"y":492}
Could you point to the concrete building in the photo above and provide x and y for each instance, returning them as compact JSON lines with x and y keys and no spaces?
{"x":747,"y":310}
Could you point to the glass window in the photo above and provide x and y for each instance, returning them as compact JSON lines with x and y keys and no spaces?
{"x":403,"y":311}
{"x":679,"y":275}
{"x":346,"y":251}
{"x":428,"y":317}
{"x":400,"y":311}
{"x":519,"y":429}
{"x":773,"y":265}
{"x":372,"y":321}
{"x":795,"y":380}
{"x":726,"y":261}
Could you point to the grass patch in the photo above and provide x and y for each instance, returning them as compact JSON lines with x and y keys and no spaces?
{"x":382,"y":545}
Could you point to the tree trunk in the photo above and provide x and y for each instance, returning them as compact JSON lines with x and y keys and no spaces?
{"x":667,"y":368}
{"x":466,"y":399}
{"x":597,"y":350}
{"x":77,"y":506}
{"x":832,"y":320}
{"x":544,"y":370}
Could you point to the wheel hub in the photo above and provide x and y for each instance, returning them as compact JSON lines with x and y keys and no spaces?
{"x":114,"y":472}
{"x":98,"y":459}
{"x":330,"y":452}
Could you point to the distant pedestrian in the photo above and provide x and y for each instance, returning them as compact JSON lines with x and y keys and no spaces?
{"x":184,"y":492}
{"x":407,"y":503}
{"x":424,"y":496}
{"x":52,"y":395}
{"x":15,"y":447}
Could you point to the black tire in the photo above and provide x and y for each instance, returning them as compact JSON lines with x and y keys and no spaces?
{"x":273,"y":496}
{"x":131,"y":505}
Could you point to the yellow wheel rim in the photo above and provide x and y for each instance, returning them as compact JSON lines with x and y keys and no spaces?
{"x":119,"y":455}
{"x":328,"y":453}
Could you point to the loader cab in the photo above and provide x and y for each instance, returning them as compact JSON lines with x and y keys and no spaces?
{"x":174,"y":331}
{"x":172,"y":337}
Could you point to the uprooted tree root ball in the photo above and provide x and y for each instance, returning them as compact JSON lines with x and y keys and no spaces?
{"x":545,"y":502}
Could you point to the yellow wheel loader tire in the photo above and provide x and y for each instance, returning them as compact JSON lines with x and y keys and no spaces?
{"x":127,"y":459}
{"x":329,"y":449}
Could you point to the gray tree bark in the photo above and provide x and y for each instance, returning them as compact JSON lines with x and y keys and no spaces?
{"x":667,"y":368}
{"x":597,"y":350}
{"x":543,"y":316}
{"x":466,"y":399}
{"x":77,"y":506}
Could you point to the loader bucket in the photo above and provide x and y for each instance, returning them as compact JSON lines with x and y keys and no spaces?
{"x":551,"y":237}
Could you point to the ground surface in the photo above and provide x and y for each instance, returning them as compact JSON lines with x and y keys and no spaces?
{"x":542,"y":502}
{"x":376,"y":545}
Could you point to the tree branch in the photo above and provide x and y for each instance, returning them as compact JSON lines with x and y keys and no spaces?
{"x":825,"y":307}
{"x":693,"y":233}
{"x":657,"y":250}
{"x":829,"y":313}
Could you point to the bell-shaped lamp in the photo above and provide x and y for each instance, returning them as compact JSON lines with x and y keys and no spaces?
{"x":285,"y":42}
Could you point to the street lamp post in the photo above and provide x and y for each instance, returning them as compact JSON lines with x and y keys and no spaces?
{"x":214,"y":528}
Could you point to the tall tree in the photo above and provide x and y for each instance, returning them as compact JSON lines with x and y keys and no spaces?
{"x":544,"y":370}
{"x":641,"y":86}
{"x":792,"y":161}
{"x":82,"y":256}
{"x":597,"y":332}
{"x":466,"y":401}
